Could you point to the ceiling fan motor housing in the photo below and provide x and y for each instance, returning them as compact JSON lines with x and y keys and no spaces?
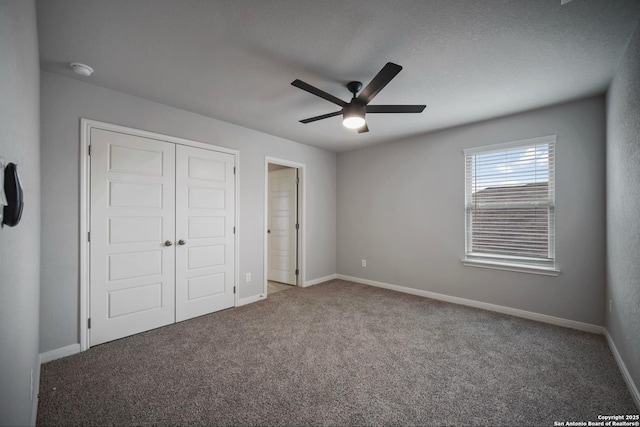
{"x":354,"y":108}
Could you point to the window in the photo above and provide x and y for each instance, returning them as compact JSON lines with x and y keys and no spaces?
{"x":509,"y":201}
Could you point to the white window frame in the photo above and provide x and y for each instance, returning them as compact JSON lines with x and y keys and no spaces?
{"x":510,"y":262}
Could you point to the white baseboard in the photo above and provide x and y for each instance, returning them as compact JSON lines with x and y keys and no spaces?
{"x":633,"y":389}
{"x":249,"y":300}
{"x":567,"y":323}
{"x":319,"y":280}
{"x":44,"y":358}
{"x":59,"y":353}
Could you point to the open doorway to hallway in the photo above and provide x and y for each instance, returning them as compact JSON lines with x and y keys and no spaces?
{"x":283,"y":225}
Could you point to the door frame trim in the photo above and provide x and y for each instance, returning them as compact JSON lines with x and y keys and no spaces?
{"x":302,"y":217}
{"x":86,"y":125}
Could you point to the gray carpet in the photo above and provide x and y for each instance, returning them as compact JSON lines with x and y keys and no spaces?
{"x":339,"y":353}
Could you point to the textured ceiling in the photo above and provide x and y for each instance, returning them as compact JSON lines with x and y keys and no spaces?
{"x":235,"y":60}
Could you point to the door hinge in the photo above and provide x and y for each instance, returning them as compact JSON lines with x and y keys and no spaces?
{"x":89,"y":149}
{"x":297,"y":180}
{"x":89,"y":236}
{"x":234,"y":289}
{"x":234,"y":230}
{"x":297,"y":226}
{"x":89,"y":323}
{"x":297,"y":271}
{"x":234,"y":170}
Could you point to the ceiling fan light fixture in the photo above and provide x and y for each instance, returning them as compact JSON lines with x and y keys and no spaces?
{"x":353,"y":122}
{"x":353,"y":116}
{"x":353,"y":112}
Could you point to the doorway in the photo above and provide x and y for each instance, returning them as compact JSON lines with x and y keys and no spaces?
{"x":284,"y":225}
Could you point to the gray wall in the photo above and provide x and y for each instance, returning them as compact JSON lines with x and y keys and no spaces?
{"x":20,"y":245}
{"x":623,"y":208}
{"x":401,"y":207}
{"x":65,"y":101}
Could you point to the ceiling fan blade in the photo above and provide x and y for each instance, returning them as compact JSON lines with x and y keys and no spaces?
{"x":395,"y":108}
{"x":324,"y":116}
{"x":388,"y":72}
{"x":317,"y":92}
{"x":363,"y":129}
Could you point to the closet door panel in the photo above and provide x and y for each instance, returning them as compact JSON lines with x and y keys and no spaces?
{"x":132,"y":272}
{"x":205,"y":214}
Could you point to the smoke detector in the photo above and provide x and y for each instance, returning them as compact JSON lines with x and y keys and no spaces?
{"x":81,"y":69}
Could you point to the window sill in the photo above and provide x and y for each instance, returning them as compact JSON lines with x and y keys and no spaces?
{"x":521,"y":268}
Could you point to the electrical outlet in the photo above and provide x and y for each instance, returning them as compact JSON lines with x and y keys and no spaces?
{"x":248,"y":278}
{"x":364,"y":262}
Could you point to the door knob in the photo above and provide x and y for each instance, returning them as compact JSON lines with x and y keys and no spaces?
{"x":168,"y":243}
{"x":181,"y":242}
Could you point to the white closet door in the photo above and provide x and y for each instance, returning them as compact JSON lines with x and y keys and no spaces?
{"x":282,"y":226}
{"x":205,"y":212}
{"x":132,"y":216}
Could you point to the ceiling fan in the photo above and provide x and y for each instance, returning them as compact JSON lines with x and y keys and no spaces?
{"x":353,"y":112}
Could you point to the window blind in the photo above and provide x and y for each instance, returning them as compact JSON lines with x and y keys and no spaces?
{"x":510,"y":194}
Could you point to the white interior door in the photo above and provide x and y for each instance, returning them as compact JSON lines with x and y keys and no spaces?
{"x":282,"y":234}
{"x":132,"y":216}
{"x":205,"y":212}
